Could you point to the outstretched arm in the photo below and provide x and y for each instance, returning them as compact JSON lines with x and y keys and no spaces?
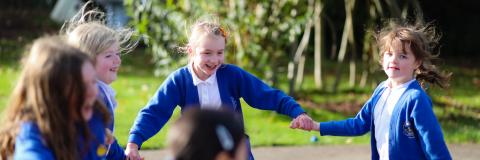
{"x":261,"y":96}
{"x":153,"y":116}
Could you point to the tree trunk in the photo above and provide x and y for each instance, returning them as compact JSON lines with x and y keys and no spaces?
{"x":298,"y":55}
{"x":318,"y":45}
{"x":349,"y":5}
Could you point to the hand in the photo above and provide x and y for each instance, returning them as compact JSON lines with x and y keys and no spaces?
{"x":304,"y":122}
{"x":108,"y":137}
{"x":131,"y":152}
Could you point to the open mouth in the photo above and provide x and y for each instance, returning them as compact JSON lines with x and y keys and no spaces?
{"x":211,"y":67}
{"x":394,"y":68}
{"x":114,"y":69}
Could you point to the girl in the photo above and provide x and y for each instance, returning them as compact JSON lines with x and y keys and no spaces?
{"x":209,"y":83}
{"x":399,"y":114}
{"x":89,"y":33}
{"x":207,"y":134}
{"x":51,"y":104}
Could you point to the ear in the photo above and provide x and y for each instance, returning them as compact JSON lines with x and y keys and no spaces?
{"x":418,"y":63}
{"x":189,"y":49}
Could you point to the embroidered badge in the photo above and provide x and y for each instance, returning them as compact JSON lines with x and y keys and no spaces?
{"x":101,"y":150}
{"x":408,"y":130}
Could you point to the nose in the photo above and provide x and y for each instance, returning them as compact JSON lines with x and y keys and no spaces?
{"x":117,"y":59}
{"x":393,"y":59}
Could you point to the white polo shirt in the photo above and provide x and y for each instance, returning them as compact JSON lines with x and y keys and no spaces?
{"x":383,"y":114}
{"x":208,"y":93}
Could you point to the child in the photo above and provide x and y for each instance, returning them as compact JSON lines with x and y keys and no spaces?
{"x":399,"y":114}
{"x":207,"y":134}
{"x":51,"y":104}
{"x":89,"y":33}
{"x":207,"y":81}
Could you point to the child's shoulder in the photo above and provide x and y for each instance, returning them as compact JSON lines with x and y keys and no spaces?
{"x":180,"y":72}
{"x":231,"y":69}
{"x":415,"y":91}
{"x":28,"y":127}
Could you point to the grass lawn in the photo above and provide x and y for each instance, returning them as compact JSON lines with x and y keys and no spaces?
{"x":458,"y":108}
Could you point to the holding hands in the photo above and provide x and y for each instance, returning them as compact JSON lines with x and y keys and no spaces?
{"x":304,"y":122}
{"x":132,"y":152}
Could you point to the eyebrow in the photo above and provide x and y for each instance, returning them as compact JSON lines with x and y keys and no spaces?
{"x":213,"y":50}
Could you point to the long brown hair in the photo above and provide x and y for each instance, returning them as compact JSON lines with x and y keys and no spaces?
{"x":50,"y":93}
{"x":423,"y":41}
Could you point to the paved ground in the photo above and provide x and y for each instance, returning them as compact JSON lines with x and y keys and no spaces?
{"x":330,"y":152}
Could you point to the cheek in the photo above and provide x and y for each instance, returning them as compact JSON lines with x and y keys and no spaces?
{"x":200,"y":59}
{"x":222,"y":58}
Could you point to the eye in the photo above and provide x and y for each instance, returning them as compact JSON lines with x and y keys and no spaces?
{"x":207,"y":53}
{"x":403,"y":56}
{"x":220,"y":52}
{"x":388,"y":54}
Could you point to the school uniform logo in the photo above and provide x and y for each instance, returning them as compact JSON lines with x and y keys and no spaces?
{"x":101,"y":150}
{"x":408,"y":130}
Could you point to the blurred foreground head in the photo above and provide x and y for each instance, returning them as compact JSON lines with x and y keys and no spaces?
{"x":207,"y":135}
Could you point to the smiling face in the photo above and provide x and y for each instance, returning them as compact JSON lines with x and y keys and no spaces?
{"x":207,"y":55}
{"x":399,"y":63}
{"x":107,"y":64}
{"x":91,"y":90}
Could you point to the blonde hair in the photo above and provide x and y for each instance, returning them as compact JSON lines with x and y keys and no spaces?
{"x":87,"y":31}
{"x":50,"y":94}
{"x":422,"y":40}
{"x":208,"y":26}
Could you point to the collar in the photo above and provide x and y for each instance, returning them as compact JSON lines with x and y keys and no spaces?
{"x":210,"y":80}
{"x":107,"y":88}
{"x":404,"y":85}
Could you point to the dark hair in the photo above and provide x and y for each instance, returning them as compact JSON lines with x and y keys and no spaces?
{"x":422,"y":40}
{"x":200,"y":134}
{"x":50,"y":93}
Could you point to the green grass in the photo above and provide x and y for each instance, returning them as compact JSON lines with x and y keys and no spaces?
{"x":457,"y":108}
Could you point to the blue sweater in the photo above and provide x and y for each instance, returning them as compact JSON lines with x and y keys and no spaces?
{"x":233,"y":83}
{"x":414,"y":130}
{"x":115,"y":150}
{"x":30,"y":144}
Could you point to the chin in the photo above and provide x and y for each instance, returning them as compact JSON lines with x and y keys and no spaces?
{"x":87,"y":117}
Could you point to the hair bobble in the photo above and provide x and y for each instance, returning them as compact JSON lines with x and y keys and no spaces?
{"x":224,"y":137}
{"x":219,"y":31}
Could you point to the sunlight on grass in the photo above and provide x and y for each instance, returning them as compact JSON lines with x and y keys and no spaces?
{"x":136,"y":85}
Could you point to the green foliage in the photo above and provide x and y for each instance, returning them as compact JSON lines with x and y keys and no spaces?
{"x":261,"y":33}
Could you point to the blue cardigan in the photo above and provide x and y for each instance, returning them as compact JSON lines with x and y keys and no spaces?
{"x":414,"y":130}
{"x":233,"y":83}
{"x":29,"y":143}
{"x":115,"y":151}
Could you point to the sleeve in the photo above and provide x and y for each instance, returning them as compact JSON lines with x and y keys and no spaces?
{"x":356,"y":126}
{"x":261,"y":96}
{"x":116,"y":151}
{"x":157,"y":111}
{"x":429,"y":130}
{"x":29,"y":145}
